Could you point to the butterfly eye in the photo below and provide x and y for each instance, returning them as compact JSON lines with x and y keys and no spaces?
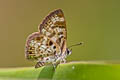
{"x":68,"y":51}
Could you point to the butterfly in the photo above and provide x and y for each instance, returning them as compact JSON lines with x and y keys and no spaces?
{"x":48,"y":45}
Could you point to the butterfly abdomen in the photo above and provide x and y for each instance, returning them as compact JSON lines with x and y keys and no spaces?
{"x":39,"y":64}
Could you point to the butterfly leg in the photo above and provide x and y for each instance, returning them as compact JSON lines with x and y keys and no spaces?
{"x":39,"y":64}
{"x":54,"y":65}
{"x":63,"y":60}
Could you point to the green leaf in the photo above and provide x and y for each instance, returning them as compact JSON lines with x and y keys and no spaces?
{"x":68,"y":71}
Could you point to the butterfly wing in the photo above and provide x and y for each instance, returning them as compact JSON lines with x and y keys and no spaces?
{"x":54,"y":27}
{"x":39,"y":47}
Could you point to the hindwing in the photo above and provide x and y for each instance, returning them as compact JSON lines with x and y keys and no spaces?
{"x":39,"y":47}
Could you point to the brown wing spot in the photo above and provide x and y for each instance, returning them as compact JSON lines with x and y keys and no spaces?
{"x":54,"y":52}
{"x":48,"y":54}
{"x":54,"y":47}
{"x":49,"y":21}
{"x":30,"y":52}
{"x":62,"y":37}
{"x":50,"y":43}
{"x":47,"y":44}
{"x":54,"y":27}
{"x":38,"y":38}
{"x":48,"y":51}
{"x":60,"y":15}
{"x":60,"y":33}
{"x":31,"y":48}
{"x":59,"y":23}
{"x":61,"y":26}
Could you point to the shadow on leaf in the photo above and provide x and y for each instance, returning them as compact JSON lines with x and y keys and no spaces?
{"x":46,"y":73}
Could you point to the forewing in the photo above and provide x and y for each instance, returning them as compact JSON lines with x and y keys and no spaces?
{"x":54,"y":27}
{"x":39,"y":47}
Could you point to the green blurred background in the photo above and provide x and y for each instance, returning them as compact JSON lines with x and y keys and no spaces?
{"x":94,"y":22}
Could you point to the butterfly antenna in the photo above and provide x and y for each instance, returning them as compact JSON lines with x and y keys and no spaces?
{"x":76,"y":44}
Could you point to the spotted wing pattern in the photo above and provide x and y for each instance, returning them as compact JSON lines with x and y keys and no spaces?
{"x":54,"y":27}
{"x":40,"y":47}
{"x":45,"y":45}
